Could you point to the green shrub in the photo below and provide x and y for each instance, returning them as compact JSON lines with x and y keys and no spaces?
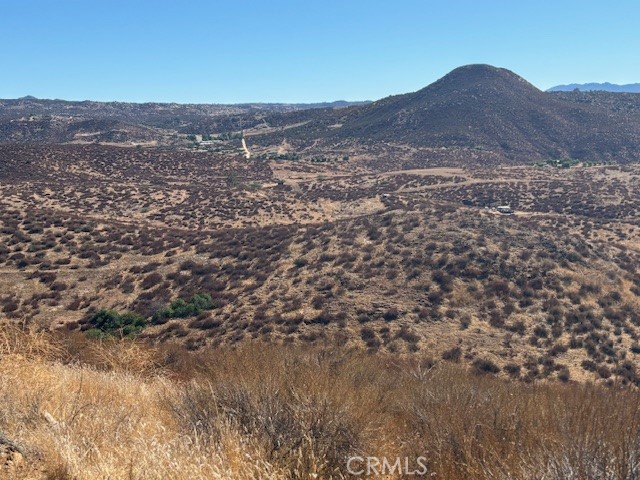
{"x":183,"y":309}
{"x":109,"y":322}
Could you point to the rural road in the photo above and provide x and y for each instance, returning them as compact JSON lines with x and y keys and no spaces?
{"x":247,"y":153}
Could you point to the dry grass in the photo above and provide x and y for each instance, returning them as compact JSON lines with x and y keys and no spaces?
{"x":76,"y":421}
{"x":274,"y":412}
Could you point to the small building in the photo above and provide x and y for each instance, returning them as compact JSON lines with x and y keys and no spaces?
{"x":504,"y":209}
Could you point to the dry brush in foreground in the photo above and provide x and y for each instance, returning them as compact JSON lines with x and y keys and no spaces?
{"x":80,"y":409}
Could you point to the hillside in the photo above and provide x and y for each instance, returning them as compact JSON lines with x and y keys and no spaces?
{"x":411,"y":262}
{"x":63,"y":129}
{"x":616,"y":103}
{"x":487,"y":108}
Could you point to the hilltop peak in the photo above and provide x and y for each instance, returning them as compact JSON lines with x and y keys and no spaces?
{"x":472,"y":75}
{"x":478,"y":68}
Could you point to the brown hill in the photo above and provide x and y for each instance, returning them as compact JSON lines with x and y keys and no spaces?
{"x":483,"y":107}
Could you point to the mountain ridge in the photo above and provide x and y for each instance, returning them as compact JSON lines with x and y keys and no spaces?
{"x":598,"y":87}
{"x":481,"y":106}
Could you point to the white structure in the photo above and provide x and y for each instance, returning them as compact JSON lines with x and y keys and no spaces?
{"x":504,"y":209}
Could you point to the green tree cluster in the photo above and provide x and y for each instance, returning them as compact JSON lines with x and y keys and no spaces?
{"x":107,"y":323}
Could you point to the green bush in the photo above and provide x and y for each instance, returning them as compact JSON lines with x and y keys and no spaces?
{"x":182,"y":309}
{"x":111,"y":323}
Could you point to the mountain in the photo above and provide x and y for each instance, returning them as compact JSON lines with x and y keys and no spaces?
{"x":480,"y":106}
{"x":603,"y":87}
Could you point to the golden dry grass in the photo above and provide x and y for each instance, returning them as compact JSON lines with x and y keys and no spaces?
{"x":128,"y":411}
{"x":82,"y":422}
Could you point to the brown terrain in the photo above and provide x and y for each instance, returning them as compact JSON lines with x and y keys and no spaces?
{"x":411,"y":261}
{"x":367,"y":235}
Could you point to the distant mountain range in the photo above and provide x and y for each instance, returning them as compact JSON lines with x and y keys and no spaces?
{"x":600,"y":87}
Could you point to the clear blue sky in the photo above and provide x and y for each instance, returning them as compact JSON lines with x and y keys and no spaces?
{"x":302,"y":50}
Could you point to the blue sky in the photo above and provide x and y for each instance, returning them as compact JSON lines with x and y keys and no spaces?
{"x":302,"y":51}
